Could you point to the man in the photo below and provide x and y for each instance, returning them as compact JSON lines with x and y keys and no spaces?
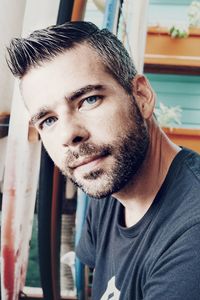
{"x":94,"y":114}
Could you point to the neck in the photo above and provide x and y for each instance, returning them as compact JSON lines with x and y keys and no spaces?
{"x":138,"y":195}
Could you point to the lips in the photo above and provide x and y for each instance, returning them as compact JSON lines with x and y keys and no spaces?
{"x":84,"y":161}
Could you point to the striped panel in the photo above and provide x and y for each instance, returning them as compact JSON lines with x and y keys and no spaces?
{"x":183,"y":91}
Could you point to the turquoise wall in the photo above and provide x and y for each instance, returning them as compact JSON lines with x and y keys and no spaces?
{"x":168,"y":12}
{"x":180,"y":90}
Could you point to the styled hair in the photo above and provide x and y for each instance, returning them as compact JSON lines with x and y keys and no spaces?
{"x":45,"y":44}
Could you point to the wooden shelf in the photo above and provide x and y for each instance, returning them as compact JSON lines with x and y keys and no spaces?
{"x":189,"y":138}
{"x":173,"y":53}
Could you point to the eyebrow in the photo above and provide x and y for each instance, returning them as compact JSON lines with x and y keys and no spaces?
{"x":84,"y":90}
{"x":39,"y":115}
{"x":43,"y":111}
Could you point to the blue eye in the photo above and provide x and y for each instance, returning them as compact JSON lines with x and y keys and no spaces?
{"x":91,"y":100}
{"x":48,"y":122}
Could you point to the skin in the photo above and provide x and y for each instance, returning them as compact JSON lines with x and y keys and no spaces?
{"x":74,"y":102}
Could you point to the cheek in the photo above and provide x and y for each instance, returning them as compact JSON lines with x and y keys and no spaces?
{"x":110,"y":122}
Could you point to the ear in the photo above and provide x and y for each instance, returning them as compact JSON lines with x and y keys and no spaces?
{"x":143,"y":95}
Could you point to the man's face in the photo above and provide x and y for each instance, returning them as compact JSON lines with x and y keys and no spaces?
{"x":89,"y":125}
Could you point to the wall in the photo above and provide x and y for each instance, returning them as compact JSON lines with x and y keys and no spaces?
{"x":180,"y":90}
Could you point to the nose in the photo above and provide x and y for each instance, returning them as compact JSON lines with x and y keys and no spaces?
{"x":73,"y":132}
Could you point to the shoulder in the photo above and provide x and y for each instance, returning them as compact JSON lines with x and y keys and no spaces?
{"x":192,"y":161}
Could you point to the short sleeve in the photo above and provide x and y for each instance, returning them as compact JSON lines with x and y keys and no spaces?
{"x":176,"y":274}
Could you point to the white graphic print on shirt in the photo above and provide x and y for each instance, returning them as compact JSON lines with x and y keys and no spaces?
{"x":111,"y":293}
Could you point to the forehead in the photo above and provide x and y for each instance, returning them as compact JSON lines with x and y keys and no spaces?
{"x":80,"y":60}
{"x":63,"y":75}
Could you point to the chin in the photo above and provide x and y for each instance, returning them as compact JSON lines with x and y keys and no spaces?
{"x":98,"y":188}
{"x":97,"y":194}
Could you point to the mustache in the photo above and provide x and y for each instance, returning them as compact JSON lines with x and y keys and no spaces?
{"x":87,"y":150}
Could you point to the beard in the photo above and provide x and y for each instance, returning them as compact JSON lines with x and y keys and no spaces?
{"x":128,"y":152}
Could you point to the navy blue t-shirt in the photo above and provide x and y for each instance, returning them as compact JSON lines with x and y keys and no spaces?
{"x":159,"y":257}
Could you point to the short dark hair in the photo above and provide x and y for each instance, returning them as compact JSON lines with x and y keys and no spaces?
{"x":45,"y":44}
